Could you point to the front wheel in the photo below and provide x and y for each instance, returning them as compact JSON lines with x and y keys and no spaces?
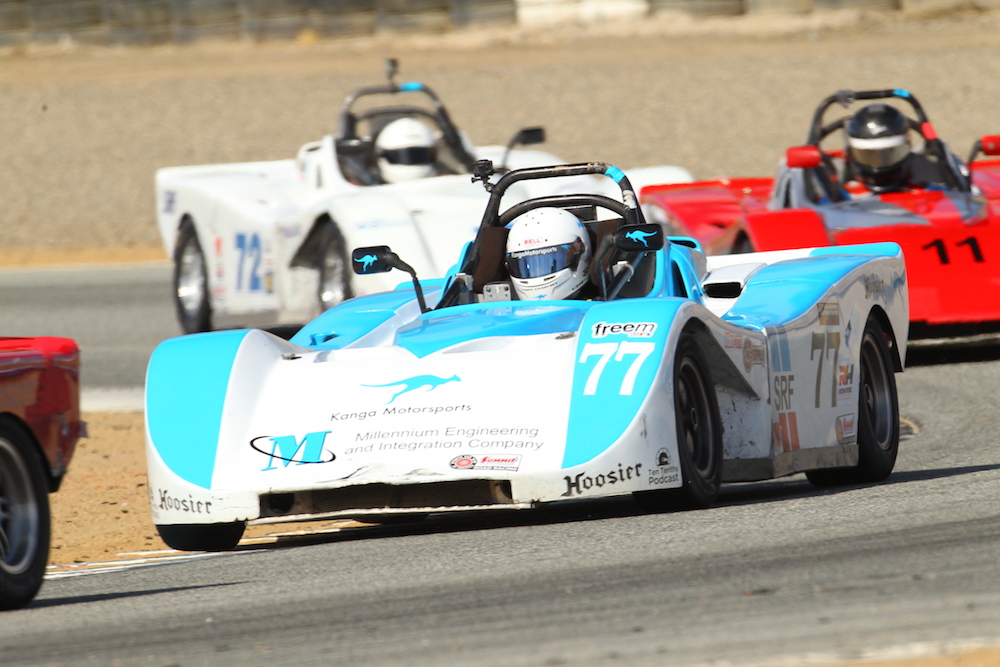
{"x":25,"y":523}
{"x":191,"y":291}
{"x":334,"y":273}
{"x":699,"y":433}
{"x":202,"y":537}
{"x":878,"y":416}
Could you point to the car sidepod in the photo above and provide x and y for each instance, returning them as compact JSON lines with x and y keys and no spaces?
{"x":814,"y":306}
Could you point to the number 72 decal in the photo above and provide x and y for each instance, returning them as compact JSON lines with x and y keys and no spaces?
{"x":615,"y":352}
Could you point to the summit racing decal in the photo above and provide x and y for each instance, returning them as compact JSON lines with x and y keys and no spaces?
{"x":507,"y":462}
{"x":630,"y":329}
{"x":432,"y":382}
{"x":585,"y":482}
{"x":829,"y":312}
{"x":289,"y":449}
{"x":846,"y":429}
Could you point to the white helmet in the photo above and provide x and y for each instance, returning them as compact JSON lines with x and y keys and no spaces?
{"x":406,"y":151}
{"x":548,"y":254}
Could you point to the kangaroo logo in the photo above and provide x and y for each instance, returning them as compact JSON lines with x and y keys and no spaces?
{"x":410,"y":384}
{"x":639,"y":236}
{"x":366,"y":261}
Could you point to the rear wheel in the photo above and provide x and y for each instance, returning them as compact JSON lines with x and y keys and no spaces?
{"x":25,"y":523}
{"x":334,"y":273}
{"x":191,"y":292}
{"x":699,"y":434}
{"x":202,"y":537}
{"x":878,"y":416}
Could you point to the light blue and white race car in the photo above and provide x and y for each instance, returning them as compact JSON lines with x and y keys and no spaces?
{"x":678,"y":372}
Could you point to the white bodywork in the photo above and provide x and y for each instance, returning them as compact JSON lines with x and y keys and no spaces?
{"x":251,"y":220}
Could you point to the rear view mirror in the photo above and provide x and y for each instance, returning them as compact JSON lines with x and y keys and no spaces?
{"x":803,"y":157}
{"x":639,"y":238}
{"x":990,"y":144}
{"x":373,"y":259}
{"x":530,"y":136}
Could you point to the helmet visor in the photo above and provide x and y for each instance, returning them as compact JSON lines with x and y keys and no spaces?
{"x":879,"y":153}
{"x":410,"y":155}
{"x":538,"y":262}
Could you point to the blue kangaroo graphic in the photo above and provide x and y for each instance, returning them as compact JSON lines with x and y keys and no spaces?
{"x":410,"y":384}
{"x":366,"y":261}
{"x":640,"y":236}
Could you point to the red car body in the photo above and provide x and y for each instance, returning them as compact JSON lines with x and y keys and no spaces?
{"x":950,"y":234}
{"x":40,"y":387}
{"x":39,"y":426}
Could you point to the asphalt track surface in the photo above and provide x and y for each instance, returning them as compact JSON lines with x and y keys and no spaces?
{"x":778,"y":573}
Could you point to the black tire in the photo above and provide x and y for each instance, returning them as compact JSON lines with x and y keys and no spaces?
{"x":699,"y":434}
{"x":334,"y":269}
{"x":202,"y":537}
{"x":192,"y":296}
{"x":25,"y":522}
{"x":878,"y":416}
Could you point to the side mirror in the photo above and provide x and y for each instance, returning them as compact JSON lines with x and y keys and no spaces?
{"x":380,"y":259}
{"x":803,"y":157}
{"x":373,"y":259}
{"x":639,"y":238}
{"x":990,"y":144}
{"x":529,"y":136}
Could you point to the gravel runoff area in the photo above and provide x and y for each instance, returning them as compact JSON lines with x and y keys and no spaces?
{"x":85,"y":129}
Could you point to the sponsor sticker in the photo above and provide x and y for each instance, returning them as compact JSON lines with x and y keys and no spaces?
{"x":288,"y":449}
{"x":663,"y":472}
{"x":845,"y":380}
{"x":584,"y":481}
{"x":162,"y":499}
{"x":487,"y":462}
{"x":630,"y":329}
{"x":753,"y":354}
{"x":734,"y":341}
{"x":846,"y":429}
{"x":873,"y":285}
{"x":786,"y":433}
{"x":829,"y":312}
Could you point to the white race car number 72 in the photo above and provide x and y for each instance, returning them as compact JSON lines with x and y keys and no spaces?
{"x":617,"y":352}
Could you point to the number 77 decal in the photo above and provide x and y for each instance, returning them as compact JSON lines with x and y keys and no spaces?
{"x":617,"y":351}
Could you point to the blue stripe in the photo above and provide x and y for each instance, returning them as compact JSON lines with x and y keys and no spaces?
{"x":615,"y":173}
{"x":186,"y":384}
{"x":410,"y":86}
{"x":436,"y":331}
{"x":899,"y":92}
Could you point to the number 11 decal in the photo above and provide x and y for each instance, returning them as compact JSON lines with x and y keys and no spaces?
{"x":942,"y":251}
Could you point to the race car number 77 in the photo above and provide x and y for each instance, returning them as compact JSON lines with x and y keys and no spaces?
{"x":618,"y":351}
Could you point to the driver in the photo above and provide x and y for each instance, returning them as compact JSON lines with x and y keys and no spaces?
{"x":406,"y":151}
{"x":548,"y":254}
{"x":879,"y":152}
